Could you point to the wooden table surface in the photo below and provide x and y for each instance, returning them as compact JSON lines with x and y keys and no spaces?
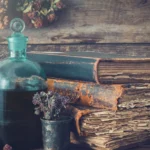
{"x":144,"y":147}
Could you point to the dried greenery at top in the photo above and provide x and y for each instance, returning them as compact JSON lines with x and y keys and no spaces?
{"x":39,"y":13}
{"x":3,"y":14}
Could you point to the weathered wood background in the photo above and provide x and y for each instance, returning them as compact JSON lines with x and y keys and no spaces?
{"x":97,"y":21}
{"x":110,"y":26}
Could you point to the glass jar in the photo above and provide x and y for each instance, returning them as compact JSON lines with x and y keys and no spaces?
{"x":20,"y":79}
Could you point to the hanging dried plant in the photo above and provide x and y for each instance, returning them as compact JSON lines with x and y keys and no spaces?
{"x":39,"y":13}
{"x":4,"y":14}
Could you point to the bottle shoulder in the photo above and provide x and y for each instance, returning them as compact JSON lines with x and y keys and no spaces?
{"x":21,"y":66}
{"x":21,"y":73}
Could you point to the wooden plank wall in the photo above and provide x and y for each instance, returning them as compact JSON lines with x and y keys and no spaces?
{"x":109,"y":26}
{"x":142,"y":50}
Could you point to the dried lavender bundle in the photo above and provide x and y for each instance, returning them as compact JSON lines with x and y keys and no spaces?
{"x":50,"y":104}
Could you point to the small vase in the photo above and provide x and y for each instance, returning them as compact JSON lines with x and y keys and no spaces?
{"x":56,"y":134}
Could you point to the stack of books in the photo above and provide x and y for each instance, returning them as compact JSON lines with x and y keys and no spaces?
{"x":110,"y":95}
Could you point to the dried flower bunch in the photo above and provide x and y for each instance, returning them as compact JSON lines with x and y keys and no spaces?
{"x":39,"y":13}
{"x":50,"y":104}
{"x":3,"y":14}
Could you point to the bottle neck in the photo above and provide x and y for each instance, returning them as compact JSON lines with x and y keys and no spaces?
{"x":20,"y":54}
{"x":17,"y":44}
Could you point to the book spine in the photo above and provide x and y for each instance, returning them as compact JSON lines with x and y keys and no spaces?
{"x":70,"y":68}
{"x":88,"y":94}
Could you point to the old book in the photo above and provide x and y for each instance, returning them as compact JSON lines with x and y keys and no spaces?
{"x":112,"y":97}
{"x":94,"y":67}
{"x":104,"y":129}
{"x":115,"y":97}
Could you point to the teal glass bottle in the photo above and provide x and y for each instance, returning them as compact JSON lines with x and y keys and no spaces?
{"x":20,"y":79}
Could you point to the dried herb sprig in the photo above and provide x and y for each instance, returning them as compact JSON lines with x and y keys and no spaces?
{"x":49,"y":104}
